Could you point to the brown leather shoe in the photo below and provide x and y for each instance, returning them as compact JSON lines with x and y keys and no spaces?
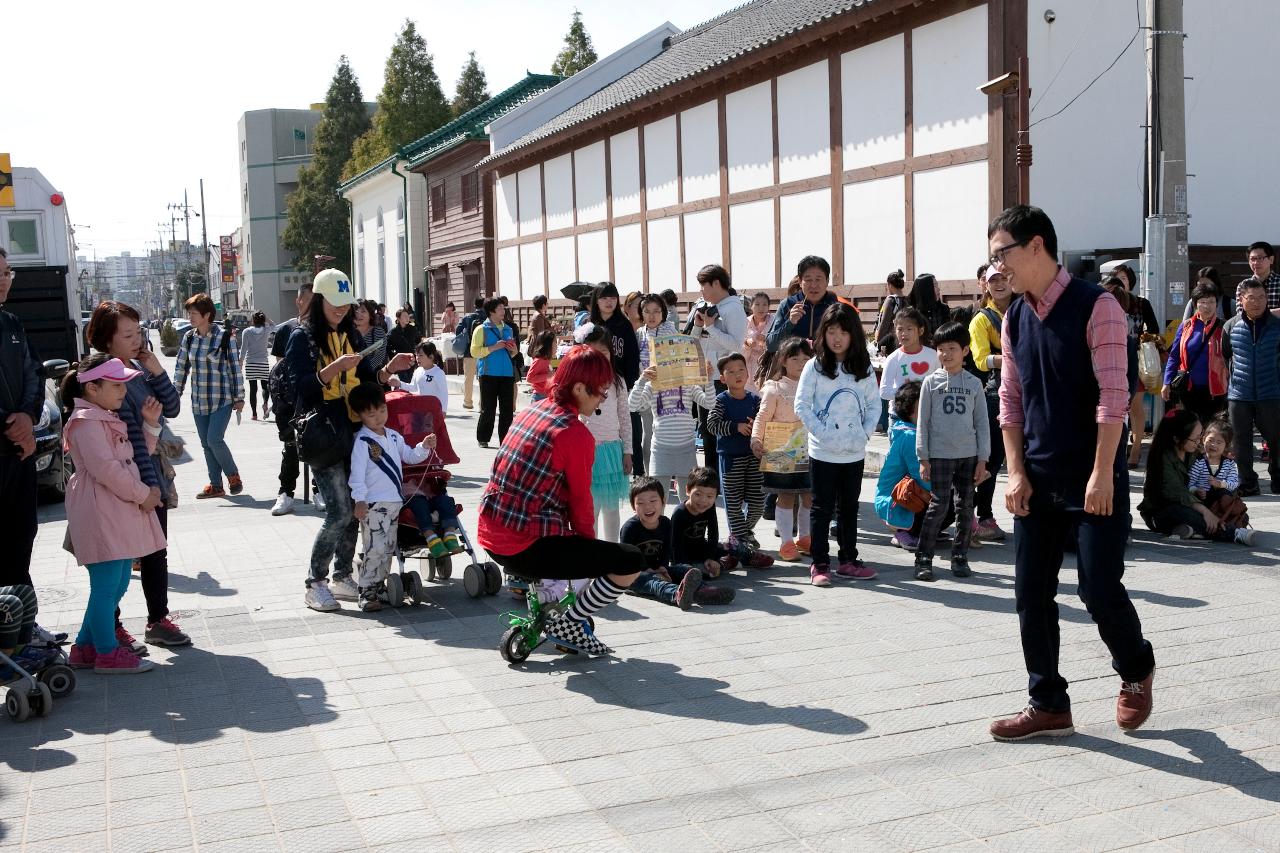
{"x":1133,"y":706}
{"x":1033,"y":722}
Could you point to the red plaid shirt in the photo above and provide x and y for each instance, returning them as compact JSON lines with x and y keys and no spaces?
{"x":541,"y":481}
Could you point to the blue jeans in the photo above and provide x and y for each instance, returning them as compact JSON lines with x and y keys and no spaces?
{"x":107,"y":584}
{"x":217,"y":456}
{"x":441,"y":505}
{"x":1038,"y":541}
{"x":650,"y":585}
{"x":336,"y":541}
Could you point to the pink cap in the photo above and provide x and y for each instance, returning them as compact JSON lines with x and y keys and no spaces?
{"x":113,"y":369}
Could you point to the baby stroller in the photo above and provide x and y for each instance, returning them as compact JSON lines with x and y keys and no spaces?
{"x":35,"y":687}
{"x":415,"y":417}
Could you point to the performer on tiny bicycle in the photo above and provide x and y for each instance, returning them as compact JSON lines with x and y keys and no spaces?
{"x":536,"y":515}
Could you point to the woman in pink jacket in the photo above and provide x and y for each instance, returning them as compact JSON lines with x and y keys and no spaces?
{"x":110,"y":517}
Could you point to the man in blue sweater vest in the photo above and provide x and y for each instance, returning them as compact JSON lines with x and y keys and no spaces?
{"x":1063,"y":401}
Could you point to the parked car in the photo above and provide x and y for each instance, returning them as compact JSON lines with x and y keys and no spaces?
{"x":171,"y":335}
{"x":52,"y":467}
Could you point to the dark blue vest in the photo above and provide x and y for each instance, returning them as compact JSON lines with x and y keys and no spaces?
{"x":1059,"y":389}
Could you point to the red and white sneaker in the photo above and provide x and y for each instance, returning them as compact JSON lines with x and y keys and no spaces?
{"x":127,"y":640}
{"x":83,"y":656}
{"x":820,"y":574}
{"x":856,"y":570}
{"x":121,"y":661}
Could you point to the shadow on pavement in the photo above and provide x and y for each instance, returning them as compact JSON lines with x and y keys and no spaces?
{"x":202,"y":584}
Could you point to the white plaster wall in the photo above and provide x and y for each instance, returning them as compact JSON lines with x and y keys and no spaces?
{"x":950,"y":227}
{"x":700,"y":151}
{"x":624,"y":172}
{"x":875,"y":240}
{"x":664,"y":255}
{"x":558,"y":177}
{"x":751,"y":241}
{"x":561,"y":263}
{"x":805,"y":227}
{"x":530,"y":183}
{"x":948,"y":63}
{"x":532,"y":281}
{"x":804,"y":123}
{"x":505,"y":217}
{"x":588,"y":167}
{"x":873,"y":96}
{"x":509,"y":272}
{"x":628,"y":263}
{"x":593,"y":255}
{"x":702,"y":241}
{"x":749,"y":128}
{"x":383,"y":190}
{"x":660,"y":163}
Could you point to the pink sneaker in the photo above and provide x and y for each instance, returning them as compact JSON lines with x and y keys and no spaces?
{"x":82,"y":656}
{"x":856,"y":570}
{"x":120,"y":661}
{"x":904,"y":540}
{"x":820,"y":574}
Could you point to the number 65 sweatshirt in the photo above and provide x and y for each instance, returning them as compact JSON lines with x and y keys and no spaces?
{"x":952,"y":421}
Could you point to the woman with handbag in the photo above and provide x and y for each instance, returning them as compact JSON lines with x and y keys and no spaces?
{"x":1195,"y":376}
{"x":325,"y":367}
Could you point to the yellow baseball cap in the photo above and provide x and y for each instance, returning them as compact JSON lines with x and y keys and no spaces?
{"x":335,"y":287}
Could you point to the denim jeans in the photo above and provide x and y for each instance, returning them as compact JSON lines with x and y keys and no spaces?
{"x":987,"y":489}
{"x":1038,"y":540}
{"x":217,"y":456}
{"x":650,"y":585}
{"x":336,"y":541}
{"x":442,"y":506}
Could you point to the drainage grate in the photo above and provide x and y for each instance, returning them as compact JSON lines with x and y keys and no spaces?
{"x":55,"y":594}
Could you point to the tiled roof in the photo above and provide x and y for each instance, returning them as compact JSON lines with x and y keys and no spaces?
{"x":468,"y":126}
{"x":697,"y":50}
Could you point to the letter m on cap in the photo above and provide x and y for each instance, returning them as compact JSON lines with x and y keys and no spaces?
{"x":344,"y":286}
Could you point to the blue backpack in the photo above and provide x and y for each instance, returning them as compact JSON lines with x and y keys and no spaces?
{"x":462,"y":339}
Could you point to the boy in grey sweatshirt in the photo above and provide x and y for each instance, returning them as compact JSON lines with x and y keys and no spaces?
{"x":953,"y":442}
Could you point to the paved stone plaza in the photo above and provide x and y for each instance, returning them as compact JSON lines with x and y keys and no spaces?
{"x":844,"y":719}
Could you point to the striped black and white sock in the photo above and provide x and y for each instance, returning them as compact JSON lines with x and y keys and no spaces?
{"x":601,"y":593}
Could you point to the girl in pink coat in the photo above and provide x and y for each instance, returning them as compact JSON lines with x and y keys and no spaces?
{"x":109,"y":509}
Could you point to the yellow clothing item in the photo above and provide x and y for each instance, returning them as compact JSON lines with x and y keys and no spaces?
{"x":340,"y":386}
{"x":984,"y":338}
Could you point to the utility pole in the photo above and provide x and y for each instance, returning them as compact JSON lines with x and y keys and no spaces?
{"x":1165,"y":259}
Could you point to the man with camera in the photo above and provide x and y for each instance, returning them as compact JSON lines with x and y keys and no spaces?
{"x":799,"y":315}
{"x":21,"y":399}
{"x":719,"y":321}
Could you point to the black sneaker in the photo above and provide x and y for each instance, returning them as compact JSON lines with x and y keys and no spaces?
{"x":924,"y":568}
{"x":960,"y":567}
{"x":371,"y":598}
{"x":1249,"y":491}
{"x":687,"y":592}
{"x":708,"y":594}
{"x":165,"y":633}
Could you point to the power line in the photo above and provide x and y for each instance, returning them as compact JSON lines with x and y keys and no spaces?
{"x":1101,"y":74}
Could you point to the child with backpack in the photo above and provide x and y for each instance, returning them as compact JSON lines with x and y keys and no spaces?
{"x":900,"y":504}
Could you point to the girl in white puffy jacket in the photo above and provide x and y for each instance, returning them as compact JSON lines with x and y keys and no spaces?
{"x":839,"y":402}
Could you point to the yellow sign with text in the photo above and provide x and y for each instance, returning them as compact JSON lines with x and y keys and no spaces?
{"x":6,"y":182}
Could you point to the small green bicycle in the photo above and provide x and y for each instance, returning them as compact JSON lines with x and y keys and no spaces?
{"x":526,"y":631}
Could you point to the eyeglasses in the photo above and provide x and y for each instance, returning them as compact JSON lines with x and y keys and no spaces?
{"x":9,"y":274}
{"x":997,"y":257}
{"x":1257,"y":258}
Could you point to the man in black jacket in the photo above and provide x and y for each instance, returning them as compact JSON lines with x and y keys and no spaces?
{"x":21,"y":399}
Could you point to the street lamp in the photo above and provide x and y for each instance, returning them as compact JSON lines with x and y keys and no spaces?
{"x":1017,"y":83}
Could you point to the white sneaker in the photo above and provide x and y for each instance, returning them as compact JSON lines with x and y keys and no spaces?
{"x":318,"y":501}
{"x":320,"y":598}
{"x":283,"y":506}
{"x":1244,"y":535}
{"x":345,"y":589}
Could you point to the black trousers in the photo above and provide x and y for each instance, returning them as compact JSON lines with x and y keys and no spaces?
{"x":637,"y":445}
{"x":710,"y":456}
{"x":1265,"y":415}
{"x":18,"y":521}
{"x":987,"y":489}
{"x":155,"y":576}
{"x":1205,"y":406}
{"x":572,"y":558}
{"x":288,"y":454}
{"x":253,"y":394}
{"x":1038,"y":541}
{"x":837,"y":487}
{"x":497,"y":396}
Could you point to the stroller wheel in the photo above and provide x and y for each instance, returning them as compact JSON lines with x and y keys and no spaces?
{"x":43,"y":706}
{"x":443,"y":568}
{"x":492,"y":578}
{"x":473,"y":580}
{"x":513,"y":647}
{"x":60,"y":678}
{"x":413,"y":586}
{"x":395,"y":590}
{"x":16,"y":704}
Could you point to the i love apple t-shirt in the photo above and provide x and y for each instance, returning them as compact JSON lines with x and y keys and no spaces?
{"x":902,"y":366}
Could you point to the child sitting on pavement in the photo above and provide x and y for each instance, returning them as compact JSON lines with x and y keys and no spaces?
{"x":649,"y":530}
{"x":953,"y":443}
{"x":429,"y":379}
{"x":376,"y":483}
{"x":695,"y":529}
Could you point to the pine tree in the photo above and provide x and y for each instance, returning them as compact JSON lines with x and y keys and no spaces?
{"x":473,"y":88}
{"x":318,"y":217}
{"x":577,"y":52}
{"x":410,"y":106}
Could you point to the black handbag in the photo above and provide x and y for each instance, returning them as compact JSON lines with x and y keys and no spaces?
{"x":322,"y":440}
{"x":1178,"y":384}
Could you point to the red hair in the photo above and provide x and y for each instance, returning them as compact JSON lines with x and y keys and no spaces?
{"x":581,"y":364}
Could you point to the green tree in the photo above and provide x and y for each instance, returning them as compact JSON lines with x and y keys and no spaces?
{"x":318,"y":217}
{"x":577,"y":52}
{"x":410,"y":105}
{"x":473,"y":88}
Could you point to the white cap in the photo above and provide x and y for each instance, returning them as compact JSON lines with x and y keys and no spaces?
{"x":335,"y":287}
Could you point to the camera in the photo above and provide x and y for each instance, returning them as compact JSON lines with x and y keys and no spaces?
{"x":709,"y":312}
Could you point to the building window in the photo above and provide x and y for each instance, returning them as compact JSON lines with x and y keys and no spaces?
{"x":439,"y":289}
{"x":23,"y":237}
{"x":360,"y":278}
{"x":379,"y":219}
{"x":400,"y":210}
{"x":470,"y":192}
{"x":437,"y":202}
{"x":470,"y":283}
{"x":382,"y":270}
{"x":404,"y":255}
